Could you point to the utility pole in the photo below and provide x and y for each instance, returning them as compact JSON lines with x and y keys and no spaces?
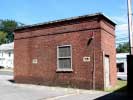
{"x":130,"y":57}
{"x":130,"y":26}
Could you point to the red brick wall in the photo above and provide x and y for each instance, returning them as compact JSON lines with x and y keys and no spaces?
{"x":108,"y":47}
{"x":41,"y":44}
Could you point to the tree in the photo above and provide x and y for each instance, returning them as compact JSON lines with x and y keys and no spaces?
{"x":3,"y":37}
{"x":123,"y":48}
{"x":8,"y":26}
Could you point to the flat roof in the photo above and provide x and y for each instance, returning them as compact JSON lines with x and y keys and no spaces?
{"x":67,"y":19}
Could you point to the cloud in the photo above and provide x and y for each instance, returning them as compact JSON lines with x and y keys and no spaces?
{"x":120,"y":19}
{"x":122,"y":28}
{"x":121,"y":33}
{"x":122,"y":24}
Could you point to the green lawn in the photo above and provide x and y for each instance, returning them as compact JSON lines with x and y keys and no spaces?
{"x":120,"y":87}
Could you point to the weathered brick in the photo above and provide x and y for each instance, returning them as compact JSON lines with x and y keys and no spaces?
{"x":40,"y":42}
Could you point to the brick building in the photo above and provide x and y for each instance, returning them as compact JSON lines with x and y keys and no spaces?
{"x":78,"y":51}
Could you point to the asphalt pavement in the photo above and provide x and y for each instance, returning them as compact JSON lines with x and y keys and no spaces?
{"x":6,"y":72}
{"x":14,"y":91}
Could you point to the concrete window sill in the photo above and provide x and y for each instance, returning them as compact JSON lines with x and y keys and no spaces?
{"x":64,"y":70}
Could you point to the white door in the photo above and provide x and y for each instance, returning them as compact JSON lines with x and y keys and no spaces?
{"x":106,"y":72}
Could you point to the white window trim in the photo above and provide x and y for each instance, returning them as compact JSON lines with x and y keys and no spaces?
{"x":63,"y":69}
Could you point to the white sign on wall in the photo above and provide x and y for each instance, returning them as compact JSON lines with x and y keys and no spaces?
{"x":34,"y":61}
{"x":86,"y":59}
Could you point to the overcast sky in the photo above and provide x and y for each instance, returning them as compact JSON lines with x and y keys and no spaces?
{"x":38,"y":11}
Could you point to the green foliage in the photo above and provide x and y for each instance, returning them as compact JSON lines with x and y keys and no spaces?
{"x":3,"y":37}
{"x":7,"y":27}
{"x":120,"y":87}
{"x":123,"y":48}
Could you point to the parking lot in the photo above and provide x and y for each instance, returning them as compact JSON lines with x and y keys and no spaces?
{"x":13,"y":91}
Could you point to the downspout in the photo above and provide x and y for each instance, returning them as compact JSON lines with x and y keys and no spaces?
{"x":94,"y":87}
{"x":92,"y":40}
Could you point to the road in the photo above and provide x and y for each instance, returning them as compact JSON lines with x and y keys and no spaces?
{"x":14,"y":91}
{"x":6,"y":72}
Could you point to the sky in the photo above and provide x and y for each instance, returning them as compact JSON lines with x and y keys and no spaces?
{"x":38,"y":11}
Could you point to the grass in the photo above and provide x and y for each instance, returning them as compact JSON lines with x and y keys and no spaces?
{"x":120,"y":87}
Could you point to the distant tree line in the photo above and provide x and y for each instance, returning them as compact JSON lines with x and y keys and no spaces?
{"x":6,"y":30}
{"x":123,"y":48}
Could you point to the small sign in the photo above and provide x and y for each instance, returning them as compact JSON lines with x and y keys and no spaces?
{"x":34,"y":61}
{"x":86,"y":59}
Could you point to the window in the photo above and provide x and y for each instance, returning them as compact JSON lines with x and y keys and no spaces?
{"x":64,"y":58}
{"x":120,"y":67}
{"x":9,"y":54}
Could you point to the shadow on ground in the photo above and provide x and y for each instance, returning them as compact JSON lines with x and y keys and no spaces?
{"x":12,"y":81}
{"x":120,"y":94}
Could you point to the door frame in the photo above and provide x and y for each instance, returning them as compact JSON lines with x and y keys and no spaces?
{"x":105,"y":55}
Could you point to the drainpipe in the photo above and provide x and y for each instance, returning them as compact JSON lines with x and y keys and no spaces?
{"x":93,"y":61}
{"x":92,"y":40}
